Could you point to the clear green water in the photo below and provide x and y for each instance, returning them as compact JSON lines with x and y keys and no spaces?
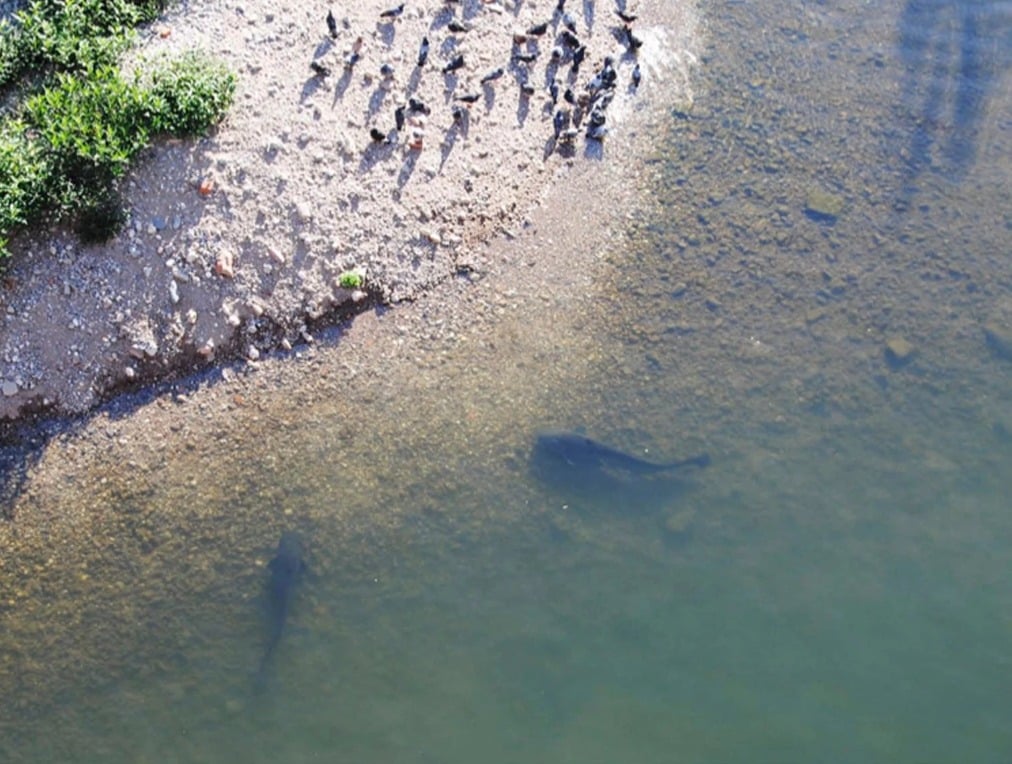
{"x":834,"y":588}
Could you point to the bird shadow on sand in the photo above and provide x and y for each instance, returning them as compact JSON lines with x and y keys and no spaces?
{"x":342,"y":84}
{"x":407,"y":169}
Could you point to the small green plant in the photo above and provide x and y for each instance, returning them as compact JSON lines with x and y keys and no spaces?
{"x":351,"y":280}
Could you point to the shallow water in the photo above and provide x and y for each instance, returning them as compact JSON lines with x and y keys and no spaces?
{"x":835,"y":587}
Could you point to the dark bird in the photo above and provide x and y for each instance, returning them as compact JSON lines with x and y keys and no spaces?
{"x":525,"y":57}
{"x":331,"y":24}
{"x":493,"y":75}
{"x":538,"y":29}
{"x":569,"y":22}
{"x":568,"y":38}
{"x":377,"y":135}
{"x":628,"y":18}
{"x":417,"y":107}
{"x":459,"y":113}
{"x":578,"y":55}
{"x":351,"y":59}
{"x":636,"y":76}
{"x":467,"y":97}
{"x":454,"y":64}
{"x":560,"y":121}
{"x":392,"y":13}
{"x":553,"y":91}
{"x":569,"y":96}
{"x":561,"y":6}
{"x":597,"y":133}
{"x":527,"y":89}
{"x":635,"y":43}
{"x":423,"y":51}
{"x":320,"y":69}
{"x":399,"y":118}
{"x":386,"y":70}
{"x":458,"y":27}
{"x":287,"y":569}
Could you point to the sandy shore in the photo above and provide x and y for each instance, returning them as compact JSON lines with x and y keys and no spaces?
{"x":237,"y":243}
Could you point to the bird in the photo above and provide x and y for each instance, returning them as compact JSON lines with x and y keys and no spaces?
{"x":569,"y":22}
{"x":399,"y":118}
{"x":331,"y":24}
{"x":455,"y":63}
{"x":387,"y":71}
{"x":423,"y":51}
{"x":525,"y":57}
{"x":538,"y":29}
{"x":635,"y":43}
{"x":553,"y":91}
{"x":559,"y":122}
{"x":527,"y":89}
{"x":493,"y":75}
{"x":351,"y":59}
{"x":457,"y":27}
{"x":636,"y":76}
{"x":377,"y":135}
{"x":414,"y":105}
{"x":578,"y":55}
{"x":467,"y":97}
{"x":561,"y":6}
{"x":628,"y":18}
{"x":569,"y":38}
{"x":319,"y":68}
{"x":569,"y":96}
{"x":596,"y":132}
{"x":392,"y":13}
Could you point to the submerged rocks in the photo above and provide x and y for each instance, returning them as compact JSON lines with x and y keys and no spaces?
{"x":822,"y":206}
{"x":899,"y":352}
{"x":999,"y":340}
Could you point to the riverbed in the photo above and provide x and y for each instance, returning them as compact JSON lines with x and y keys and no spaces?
{"x":803,"y":275}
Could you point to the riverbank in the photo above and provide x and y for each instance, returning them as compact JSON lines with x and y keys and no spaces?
{"x":309,"y":205}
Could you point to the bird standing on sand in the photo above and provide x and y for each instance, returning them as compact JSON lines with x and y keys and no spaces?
{"x":454,"y":64}
{"x":392,"y":13}
{"x":493,"y":75}
{"x":423,"y":51}
{"x":331,"y":24}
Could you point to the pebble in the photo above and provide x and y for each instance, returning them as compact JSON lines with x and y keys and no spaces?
{"x":823,"y":206}
{"x":899,"y":351}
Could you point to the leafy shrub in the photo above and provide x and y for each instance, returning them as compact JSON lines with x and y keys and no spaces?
{"x":23,"y":172}
{"x":189,"y":94}
{"x":90,"y":127}
{"x":66,"y":35}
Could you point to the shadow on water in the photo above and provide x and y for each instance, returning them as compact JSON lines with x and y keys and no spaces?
{"x":953,"y":55}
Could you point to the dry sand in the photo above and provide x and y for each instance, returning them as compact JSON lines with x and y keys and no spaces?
{"x":237,"y":241}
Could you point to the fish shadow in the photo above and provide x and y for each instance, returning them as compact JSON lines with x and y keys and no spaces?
{"x":605,"y":491}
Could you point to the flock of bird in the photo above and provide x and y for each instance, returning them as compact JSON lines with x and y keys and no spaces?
{"x":574,"y":108}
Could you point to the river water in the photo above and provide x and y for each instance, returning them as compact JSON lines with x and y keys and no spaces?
{"x":816,"y":292}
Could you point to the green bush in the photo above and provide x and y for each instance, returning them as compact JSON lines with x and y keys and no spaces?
{"x":90,"y":128}
{"x":66,"y":35}
{"x":189,"y":94}
{"x":74,"y":135}
{"x":23,"y":173}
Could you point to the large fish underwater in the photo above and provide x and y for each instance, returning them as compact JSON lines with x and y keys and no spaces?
{"x":286,"y":568}
{"x":597,"y":475}
{"x":580,"y":454}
